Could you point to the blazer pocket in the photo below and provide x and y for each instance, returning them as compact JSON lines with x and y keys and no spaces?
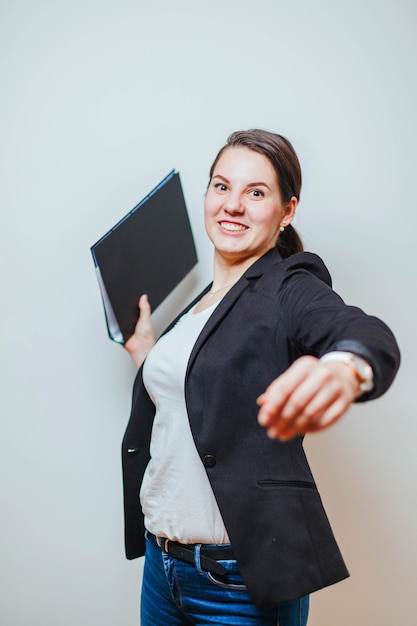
{"x":298,"y":484}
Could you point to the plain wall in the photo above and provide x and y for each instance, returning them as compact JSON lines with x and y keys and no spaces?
{"x":100,"y":100}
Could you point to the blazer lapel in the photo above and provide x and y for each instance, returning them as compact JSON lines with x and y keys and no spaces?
{"x":254,"y":272}
{"x":187,"y":308}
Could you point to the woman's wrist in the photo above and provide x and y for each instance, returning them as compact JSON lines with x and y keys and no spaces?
{"x":360,"y":368}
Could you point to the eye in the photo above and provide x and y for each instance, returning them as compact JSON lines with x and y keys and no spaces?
{"x":256,"y":193}
{"x":220,"y":186}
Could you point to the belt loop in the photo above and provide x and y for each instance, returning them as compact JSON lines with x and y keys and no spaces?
{"x":197,"y":558}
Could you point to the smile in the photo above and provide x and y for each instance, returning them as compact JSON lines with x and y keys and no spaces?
{"x":233,"y":227}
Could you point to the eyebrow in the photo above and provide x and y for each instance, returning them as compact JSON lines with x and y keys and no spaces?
{"x":254,"y":184}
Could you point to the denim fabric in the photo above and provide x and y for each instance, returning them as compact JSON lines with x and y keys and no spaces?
{"x":176,"y":593}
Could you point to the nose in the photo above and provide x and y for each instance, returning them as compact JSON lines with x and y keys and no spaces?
{"x":233,"y":204}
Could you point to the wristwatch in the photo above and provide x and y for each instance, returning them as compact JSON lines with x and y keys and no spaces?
{"x":360,"y":368}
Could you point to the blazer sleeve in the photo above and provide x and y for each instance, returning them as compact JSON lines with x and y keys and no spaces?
{"x":318,"y":321}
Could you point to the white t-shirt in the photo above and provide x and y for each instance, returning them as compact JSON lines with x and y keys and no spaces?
{"x":176,"y":495}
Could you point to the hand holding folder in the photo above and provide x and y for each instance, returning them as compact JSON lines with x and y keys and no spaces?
{"x":149,"y":251}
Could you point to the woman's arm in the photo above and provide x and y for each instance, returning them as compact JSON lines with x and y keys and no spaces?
{"x":143,"y":339}
{"x":312,"y":394}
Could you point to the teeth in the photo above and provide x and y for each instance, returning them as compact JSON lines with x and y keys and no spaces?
{"x":234,"y":227}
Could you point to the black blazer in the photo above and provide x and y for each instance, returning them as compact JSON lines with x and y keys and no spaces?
{"x":278,"y":311}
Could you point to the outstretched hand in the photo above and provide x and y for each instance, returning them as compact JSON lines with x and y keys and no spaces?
{"x":309,"y":396}
{"x":143,"y":339}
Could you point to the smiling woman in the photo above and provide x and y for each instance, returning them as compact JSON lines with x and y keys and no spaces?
{"x":218,"y":492}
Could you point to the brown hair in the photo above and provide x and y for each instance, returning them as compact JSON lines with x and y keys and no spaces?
{"x":282,"y":156}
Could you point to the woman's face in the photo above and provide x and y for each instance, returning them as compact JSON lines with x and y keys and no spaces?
{"x":243,"y":208}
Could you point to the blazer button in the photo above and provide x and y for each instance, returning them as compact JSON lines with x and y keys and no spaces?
{"x":209,"y":460}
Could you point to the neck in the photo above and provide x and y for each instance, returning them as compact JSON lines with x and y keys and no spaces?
{"x":226,"y":273}
{"x":223,"y":279}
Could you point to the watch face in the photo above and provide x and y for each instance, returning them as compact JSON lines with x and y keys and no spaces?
{"x":359,"y":366}
{"x":364,"y":372}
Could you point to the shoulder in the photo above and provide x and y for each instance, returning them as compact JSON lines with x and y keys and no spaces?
{"x":302,"y":265}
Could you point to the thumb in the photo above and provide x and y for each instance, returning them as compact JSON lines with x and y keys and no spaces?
{"x":144,"y":307}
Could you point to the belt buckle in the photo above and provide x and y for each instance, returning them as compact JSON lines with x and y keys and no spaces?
{"x":162,"y":543}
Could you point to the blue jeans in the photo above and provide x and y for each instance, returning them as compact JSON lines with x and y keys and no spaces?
{"x":176,"y":593}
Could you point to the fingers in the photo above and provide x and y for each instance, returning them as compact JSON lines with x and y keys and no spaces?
{"x":308,"y":397}
{"x":288,"y":394}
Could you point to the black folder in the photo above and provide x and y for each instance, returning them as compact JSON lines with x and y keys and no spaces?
{"x":149,"y":251}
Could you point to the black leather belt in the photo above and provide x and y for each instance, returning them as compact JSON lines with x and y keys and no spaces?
{"x":208,"y":555}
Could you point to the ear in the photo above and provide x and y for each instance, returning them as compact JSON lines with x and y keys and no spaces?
{"x":289,"y":211}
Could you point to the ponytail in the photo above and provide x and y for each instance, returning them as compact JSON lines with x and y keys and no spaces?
{"x":289,"y":242}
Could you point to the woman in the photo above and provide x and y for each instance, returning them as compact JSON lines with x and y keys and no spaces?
{"x":229,"y":514}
